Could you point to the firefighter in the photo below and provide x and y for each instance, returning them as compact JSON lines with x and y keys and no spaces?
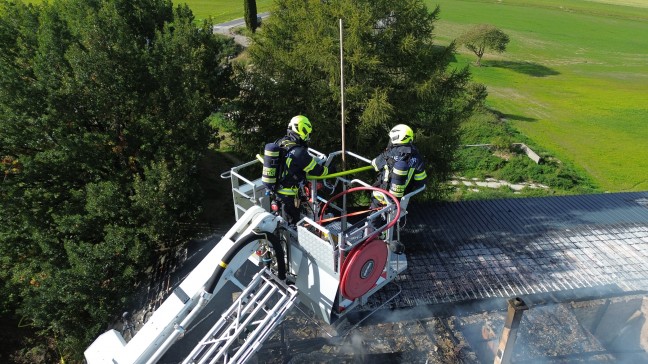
{"x":296,"y":165}
{"x":400,"y":167}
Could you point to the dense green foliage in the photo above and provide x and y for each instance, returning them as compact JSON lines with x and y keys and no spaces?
{"x":394,"y":73}
{"x":102,"y":125}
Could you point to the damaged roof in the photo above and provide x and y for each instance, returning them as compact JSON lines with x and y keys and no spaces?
{"x":567,"y":247}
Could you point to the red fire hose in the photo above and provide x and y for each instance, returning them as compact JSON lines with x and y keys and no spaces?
{"x":363,"y":188}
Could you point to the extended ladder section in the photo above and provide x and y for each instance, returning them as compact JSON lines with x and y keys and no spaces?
{"x":243,"y":328}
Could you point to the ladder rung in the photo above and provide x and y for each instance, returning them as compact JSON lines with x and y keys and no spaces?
{"x":263,"y":304}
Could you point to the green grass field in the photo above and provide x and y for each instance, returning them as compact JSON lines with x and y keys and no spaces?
{"x":219,"y":10}
{"x":222,"y":10}
{"x":574,"y":79}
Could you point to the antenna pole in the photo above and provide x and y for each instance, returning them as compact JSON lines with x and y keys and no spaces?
{"x":342,"y":95}
{"x":343,"y":222}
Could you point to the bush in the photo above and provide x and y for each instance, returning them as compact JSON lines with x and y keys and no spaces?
{"x":515,"y":170}
{"x":484,"y":127}
{"x":473,"y":161}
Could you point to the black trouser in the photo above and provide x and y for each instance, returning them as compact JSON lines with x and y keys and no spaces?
{"x":395,"y":245}
{"x":289,"y":211}
{"x":380,"y":220}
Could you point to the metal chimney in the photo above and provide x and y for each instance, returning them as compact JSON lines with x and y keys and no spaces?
{"x":507,"y":341}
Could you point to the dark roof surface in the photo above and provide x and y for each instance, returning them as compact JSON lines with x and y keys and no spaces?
{"x":566,"y":247}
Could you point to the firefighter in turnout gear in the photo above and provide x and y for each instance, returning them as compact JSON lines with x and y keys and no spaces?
{"x":400,"y":167}
{"x":294,"y":164}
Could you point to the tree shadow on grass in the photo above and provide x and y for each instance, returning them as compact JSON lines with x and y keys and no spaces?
{"x":518,"y":117}
{"x":527,"y":68}
{"x":503,"y":116}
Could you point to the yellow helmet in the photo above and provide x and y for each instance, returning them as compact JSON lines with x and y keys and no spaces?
{"x":401,"y":134}
{"x":301,"y":126}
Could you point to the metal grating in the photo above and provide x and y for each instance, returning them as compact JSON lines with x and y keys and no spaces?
{"x":564,"y":246}
{"x":321,"y":250}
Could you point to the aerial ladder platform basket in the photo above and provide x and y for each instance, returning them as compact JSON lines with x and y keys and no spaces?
{"x":328,"y":262}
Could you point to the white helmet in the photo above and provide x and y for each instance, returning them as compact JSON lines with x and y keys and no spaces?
{"x":401,"y":134}
{"x":301,"y":126}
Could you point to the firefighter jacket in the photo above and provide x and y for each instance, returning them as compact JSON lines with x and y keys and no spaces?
{"x":401,"y":169}
{"x":298,"y":163}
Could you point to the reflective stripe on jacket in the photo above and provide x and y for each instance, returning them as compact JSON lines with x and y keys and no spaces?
{"x":397,"y":165}
{"x":298,"y":164}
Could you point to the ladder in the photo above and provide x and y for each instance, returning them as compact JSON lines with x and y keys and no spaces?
{"x":243,"y":328}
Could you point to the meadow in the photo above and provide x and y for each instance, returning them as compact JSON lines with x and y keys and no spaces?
{"x":222,"y":10}
{"x":574,"y":79}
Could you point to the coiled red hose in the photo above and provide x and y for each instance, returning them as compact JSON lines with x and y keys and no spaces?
{"x":364,"y":188}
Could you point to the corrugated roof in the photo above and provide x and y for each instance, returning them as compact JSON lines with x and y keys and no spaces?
{"x":565,"y":246}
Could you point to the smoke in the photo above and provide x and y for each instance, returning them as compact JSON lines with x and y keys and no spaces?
{"x":355,"y":345}
{"x":611,"y":330}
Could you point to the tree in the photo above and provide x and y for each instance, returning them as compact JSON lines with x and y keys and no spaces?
{"x":393,"y":73}
{"x":482,"y":37}
{"x":250,"y":9}
{"x":103,"y":108}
